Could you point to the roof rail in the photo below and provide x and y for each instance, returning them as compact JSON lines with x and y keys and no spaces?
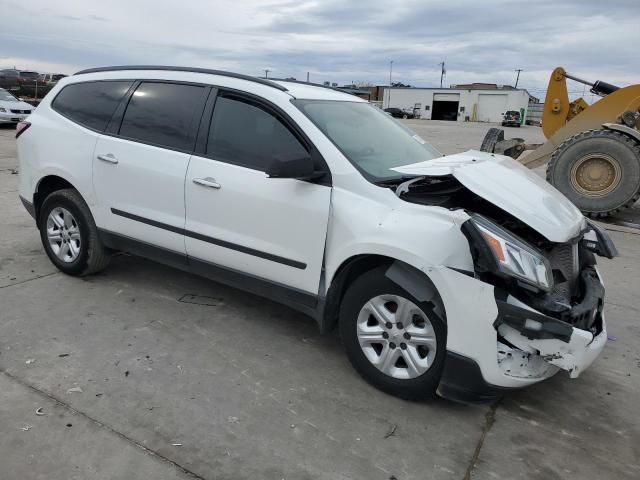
{"x":302,"y":82}
{"x":185,"y":69}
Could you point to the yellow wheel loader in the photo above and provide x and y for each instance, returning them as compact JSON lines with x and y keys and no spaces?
{"x":592,"y":151}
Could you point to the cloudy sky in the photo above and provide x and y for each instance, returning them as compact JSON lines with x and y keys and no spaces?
{"x":335,"y":40}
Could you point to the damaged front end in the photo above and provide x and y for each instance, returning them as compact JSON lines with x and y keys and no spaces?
{"x":549,"y":295}
{"x":534,"y":290}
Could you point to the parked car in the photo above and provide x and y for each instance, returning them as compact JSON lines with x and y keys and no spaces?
{"x":51,"y":78}
{"x":12,"y":110}
{"x":31,"y":85}
{"x":9,"y":80}
{"x":439,"y":274}
{"x":511,"y":118}
{"x":399,"y":113}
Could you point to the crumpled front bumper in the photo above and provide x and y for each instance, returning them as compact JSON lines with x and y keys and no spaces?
{"x":497,"y":345}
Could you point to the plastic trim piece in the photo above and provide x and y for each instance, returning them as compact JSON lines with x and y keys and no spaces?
{"x":28,"y":206}
{"x":462,"y":381}
{"x":213,"y":241}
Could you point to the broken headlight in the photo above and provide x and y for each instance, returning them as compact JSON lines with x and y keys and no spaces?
{"x":498,"y":251}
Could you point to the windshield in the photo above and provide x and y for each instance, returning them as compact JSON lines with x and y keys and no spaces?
{"x":6,"y":96}
{"x":26,"y":74}
{"x":370,"y":139}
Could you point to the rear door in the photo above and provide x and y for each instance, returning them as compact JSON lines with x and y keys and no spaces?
{"x":139,"y":166}
{"x":271,"y":229}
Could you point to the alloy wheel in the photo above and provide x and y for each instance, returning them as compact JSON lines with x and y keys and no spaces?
{"x":63,"y":234}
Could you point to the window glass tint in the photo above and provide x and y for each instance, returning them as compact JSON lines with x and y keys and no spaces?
{"x":161,"y":113}
{"x":91,"y":104}
{"x":245,"y":134}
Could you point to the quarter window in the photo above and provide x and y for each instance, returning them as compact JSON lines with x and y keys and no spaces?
{"x":90,"y":103}
{"x":246,"y":134}
{"x":162,"y":114}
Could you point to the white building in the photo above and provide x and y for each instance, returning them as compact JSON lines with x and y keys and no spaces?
{"x":469,"y":103}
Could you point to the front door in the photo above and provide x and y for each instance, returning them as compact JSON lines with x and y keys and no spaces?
{"x":270,"y":228}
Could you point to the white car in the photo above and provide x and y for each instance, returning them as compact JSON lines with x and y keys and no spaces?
{"x":13,"y":110}
{"x":463,"y":274}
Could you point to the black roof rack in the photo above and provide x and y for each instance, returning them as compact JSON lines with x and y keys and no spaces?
{"x":302,"y":82}
{"x":185,"y":69}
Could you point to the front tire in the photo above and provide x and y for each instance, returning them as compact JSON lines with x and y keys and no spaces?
{"x":69,"y":234}
{"x":394,"y":341}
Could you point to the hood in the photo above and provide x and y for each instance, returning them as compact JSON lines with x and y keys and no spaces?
{"x":509,"y":185}
{"x":19,"y":105}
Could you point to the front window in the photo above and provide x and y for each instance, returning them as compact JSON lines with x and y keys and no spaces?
{"x":6,"y":96}
{"x":369,"y":138}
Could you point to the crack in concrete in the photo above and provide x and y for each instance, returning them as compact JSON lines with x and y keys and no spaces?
{"x":489,"y":420}
{"x":22,"y":282}
{"x":102,"y":425}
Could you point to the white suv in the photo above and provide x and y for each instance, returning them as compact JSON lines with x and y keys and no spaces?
{"x":463,"y":274}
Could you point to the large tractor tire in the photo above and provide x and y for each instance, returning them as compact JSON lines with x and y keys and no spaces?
{"x":598,"y":170}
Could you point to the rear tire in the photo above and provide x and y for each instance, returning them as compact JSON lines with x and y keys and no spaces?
{"x":406,"y":359}
{"x":598,"y":170}
{"x":69,"y":234}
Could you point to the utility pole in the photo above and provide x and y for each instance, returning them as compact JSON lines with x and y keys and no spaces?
{"x":390,"y":81}
{"x":518,"y":77}
{"x":443,"y":72}
{"x":266,"y":73}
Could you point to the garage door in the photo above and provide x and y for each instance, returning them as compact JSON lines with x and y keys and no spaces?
{"x":491,"y":107}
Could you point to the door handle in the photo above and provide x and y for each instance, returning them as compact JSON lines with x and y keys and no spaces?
{"x":109,"y":158}
{"x":207,"y":182}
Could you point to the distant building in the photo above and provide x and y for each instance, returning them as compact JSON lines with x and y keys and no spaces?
{"x":474,"y":102}
{"x":362,"y":92}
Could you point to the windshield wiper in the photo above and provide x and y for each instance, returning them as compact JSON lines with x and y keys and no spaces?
{"x":404,"y":186}
{"x":394,"y":182}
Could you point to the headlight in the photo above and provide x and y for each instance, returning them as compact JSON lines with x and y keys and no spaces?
{"x":3,"y":109}
{"x":503,"y":254}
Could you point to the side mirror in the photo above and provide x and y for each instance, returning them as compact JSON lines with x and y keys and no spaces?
{"x":301,"y":168}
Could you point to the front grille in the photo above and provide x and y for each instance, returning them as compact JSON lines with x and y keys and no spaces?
{"x":20,"y":111}
{"x":564,"y":258}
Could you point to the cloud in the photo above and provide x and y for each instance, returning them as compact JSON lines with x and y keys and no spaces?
{"x":339,"y":41}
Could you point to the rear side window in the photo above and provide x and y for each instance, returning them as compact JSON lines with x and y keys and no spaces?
{"x":92,"y":103}
{"x":162,"y":114}
{"x":246,"y":134}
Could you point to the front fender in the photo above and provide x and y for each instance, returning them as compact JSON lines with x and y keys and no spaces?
{"x":420,"y":236}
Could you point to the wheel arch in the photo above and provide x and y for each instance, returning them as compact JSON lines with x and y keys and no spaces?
{"x":47,"y":185}
{"x":410,"y":278}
